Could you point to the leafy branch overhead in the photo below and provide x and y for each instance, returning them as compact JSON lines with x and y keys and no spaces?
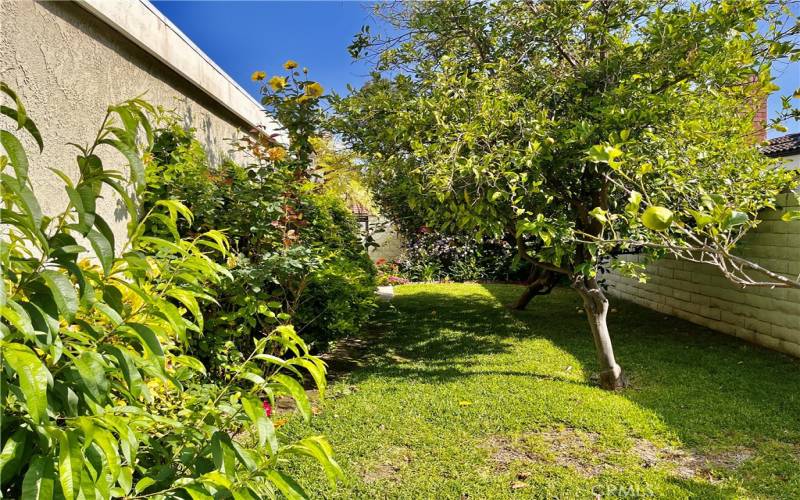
{"x":583,"y":130}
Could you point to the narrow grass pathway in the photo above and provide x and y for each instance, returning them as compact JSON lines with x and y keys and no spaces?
{"x":454,"y":396}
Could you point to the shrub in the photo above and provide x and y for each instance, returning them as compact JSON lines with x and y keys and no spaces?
{"x":102,"y":395}
{"x":294,"y":251}
{"x":430,"y":256}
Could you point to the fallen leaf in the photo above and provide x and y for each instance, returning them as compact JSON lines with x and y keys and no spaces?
{"x":516,"y":485}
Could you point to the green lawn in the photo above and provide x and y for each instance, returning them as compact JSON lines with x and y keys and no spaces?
{"x":454,"y":396}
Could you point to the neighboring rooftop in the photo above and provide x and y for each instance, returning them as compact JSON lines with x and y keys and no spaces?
{"x":786,"y":145}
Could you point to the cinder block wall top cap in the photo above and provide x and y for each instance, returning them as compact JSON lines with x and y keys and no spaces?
{"x":142,"y":23}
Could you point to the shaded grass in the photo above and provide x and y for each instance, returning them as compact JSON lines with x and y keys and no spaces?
{"x":453,"y":393}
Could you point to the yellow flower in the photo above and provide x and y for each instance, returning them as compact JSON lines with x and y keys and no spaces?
{"x":258,"y":75}
{"x":276,"y":153}
{"x":303,"y":98}
{"x":290,"y":64}
{"x":277,"y":83}
{"x":314,"y":89}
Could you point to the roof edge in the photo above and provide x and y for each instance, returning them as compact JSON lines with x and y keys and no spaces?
{"x":143,"y":24}
{"x":783,"y":146}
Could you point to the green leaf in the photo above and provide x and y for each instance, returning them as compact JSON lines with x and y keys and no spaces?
{"x":19,"y":318}
{"x":189,"y":300}
{"x":70,"y":463}
{"x":137,"y":167}
{"x":736,"y":218}
{"x":148,"y":337}
{"x":791,"y":215}
{"x":252,"y":377}
{"x":217,"y":479}
{"x":286,"y":485}
{"x":175,"y":207}
{"x":33,"y":378}
{"x":191,"y":362}
{"x":634,"y":201}
{"x":12,"y":454}
{"x":657,"y":218}
{"x":266,"y":431}
{"x":29,"y":125}
{"x":222,"y":452}
{"x":599,"y":214}
{"x":104,"y":229}
{"x":21,"y":114}
{"x":143,"y":484}
{"x":108,"y":444}
{"x":16,"y":153}
{"x":102,"y":248}
{"x":197,"y":492}
{"x":63,"y":291}
{"x":701,"y":219}
{"x":26,"y":200}
{"x":91,"y":369}
{"x":132,"y":376}
{"x":296,"y":391}
{"x":316,"y":370}
{"x":39,"y":482}
{"x":318,"y":448}
{"x":130,"y":205}
{"x":85,"y":218}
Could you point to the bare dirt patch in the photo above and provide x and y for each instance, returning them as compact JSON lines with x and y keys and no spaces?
{"x":688,"y":464}
{"x":394,"y":460}
{"x":567,"y":447}
{"x":578,"y":451}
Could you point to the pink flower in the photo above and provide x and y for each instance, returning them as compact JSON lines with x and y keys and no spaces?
{"x":267,"y":408}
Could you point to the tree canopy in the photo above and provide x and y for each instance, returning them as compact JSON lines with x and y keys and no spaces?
{"x":586,"y":130}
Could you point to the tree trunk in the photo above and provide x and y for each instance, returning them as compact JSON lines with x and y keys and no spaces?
{"x":540,"y":282}
{"x":596,"y":306}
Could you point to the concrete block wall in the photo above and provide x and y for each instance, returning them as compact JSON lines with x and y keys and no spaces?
{"x":701,"y":294}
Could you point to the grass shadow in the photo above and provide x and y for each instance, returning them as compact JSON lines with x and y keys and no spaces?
{"x":435,"y":345}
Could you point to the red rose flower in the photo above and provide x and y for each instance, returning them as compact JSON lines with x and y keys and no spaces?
{"x":267,"y":408}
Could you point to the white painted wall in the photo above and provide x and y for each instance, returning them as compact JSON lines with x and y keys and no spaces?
{"x":69,"y":61}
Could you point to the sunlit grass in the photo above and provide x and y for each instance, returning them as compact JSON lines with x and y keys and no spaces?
{"x":456,"y":395}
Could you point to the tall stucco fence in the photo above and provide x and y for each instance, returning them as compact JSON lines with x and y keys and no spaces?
{"x":68,"y":61}
{"x":701,"y":294}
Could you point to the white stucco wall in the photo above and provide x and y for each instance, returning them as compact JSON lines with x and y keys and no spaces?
{"x":69,"y":61}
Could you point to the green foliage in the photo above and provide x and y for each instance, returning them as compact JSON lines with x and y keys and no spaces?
{"x":102,"y":393}
{"x":587,"y":129}
{"x":338,"y":299}
{"x":295,"y":250}
{"x":431,"y":256}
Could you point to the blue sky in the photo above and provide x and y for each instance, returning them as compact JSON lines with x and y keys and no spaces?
{"x":242,"y":37}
